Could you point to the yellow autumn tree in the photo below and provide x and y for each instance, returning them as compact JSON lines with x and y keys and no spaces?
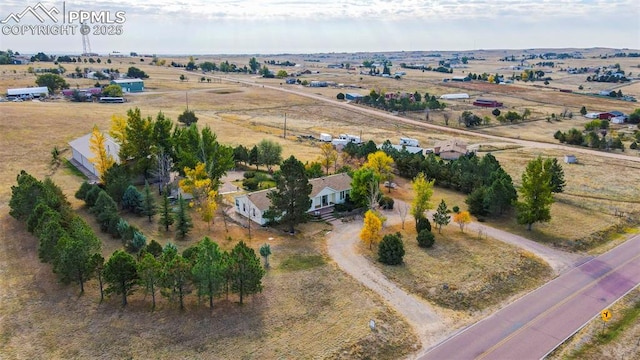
{"x":328,"y":156}
{"x":118,"y":128}
{"x":462,"y":219}
{"x":370,"y":233}
{"x":423,"y":190}
{"x":209,"y":207}
{"x":102,"y":160}
{"x":382,"y":166}
{"x":199,"y":185}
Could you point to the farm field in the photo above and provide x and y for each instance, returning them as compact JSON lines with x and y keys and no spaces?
{"x":308,"y":307}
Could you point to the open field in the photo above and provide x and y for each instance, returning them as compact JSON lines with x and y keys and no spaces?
{"x":308,"y":308}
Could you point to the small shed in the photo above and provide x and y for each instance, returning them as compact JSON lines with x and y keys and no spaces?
{"x":353,"y":96}
{"x":570,"y":159}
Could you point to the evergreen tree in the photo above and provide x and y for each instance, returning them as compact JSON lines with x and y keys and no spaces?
{"x":391,"y":249}
{"x":97,"y":265}
{"x":166,"y":215}
{"x":91,"y":196}
{"x":74,"y":252}
{"x":149,"y":208}
{"x":182,"y":218}
{"x":49,"y":236}
{"x":106,"y":211}
{"x":553,"y":167}
{"x":25,"y":196}
{"x":290,"y":201}
{"x":121,"y":274}
{"x":254,"y":156}
{"x":116,"y":182}
{"x":441,"y":217}
{"x":246,"y":271}
{"x":132,"y":200}
{"x":154,"y":248}
{"x":425,"y":239}
{"x":208,"y":270}
{"x":176,"y":278}
{"x":150,"y":272}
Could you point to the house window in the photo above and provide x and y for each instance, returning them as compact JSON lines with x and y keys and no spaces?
{"x":237,"y":204}
{"x":244,"y":209}
{"x":254,"y":212}
{"x":342,"y":194}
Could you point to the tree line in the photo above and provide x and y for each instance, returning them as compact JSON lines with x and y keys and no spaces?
{"x":68,"y":243}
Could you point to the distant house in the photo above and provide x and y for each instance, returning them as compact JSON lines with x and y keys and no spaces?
{"x":30,"y":92}
{"x":461,"y":78}
{"x":81,"y":153}
{"x":487,"y":103}
{"x":85,"y":92}
{"x":450,"y":149}
{"x":570,"y":159}
{"x":353,"y":96}
{"x":325,"y":193}
{"x":592,"y":115}
{"x":610,"y":115}
{"x":130,"y":85}
{"x":316,"y":83}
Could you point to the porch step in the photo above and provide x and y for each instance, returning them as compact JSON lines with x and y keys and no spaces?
{"x":328,"y":217}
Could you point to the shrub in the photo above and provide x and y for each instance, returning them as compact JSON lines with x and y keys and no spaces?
{"x":92,"y":195}
{"x":249,"y":174}
{"x":391,"y":249}
{"x":250,"y":184}
{"x":340,"y":96}
{"x":634,"y":145}
{"x":423,"y":224}
{"x":81,"y":194}
{"x":426,"y":239}
{"x":456,"y":209}
{"x":386,"y":203}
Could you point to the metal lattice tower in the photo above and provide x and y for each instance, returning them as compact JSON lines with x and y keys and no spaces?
{"x":86,"y":46}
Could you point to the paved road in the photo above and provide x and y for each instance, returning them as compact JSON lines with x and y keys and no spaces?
{"x":536,"y":324}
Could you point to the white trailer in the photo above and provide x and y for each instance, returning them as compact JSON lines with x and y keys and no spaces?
{"x":350,"y":138}
{"x":325,"y":137}
{"x":409,"y":142}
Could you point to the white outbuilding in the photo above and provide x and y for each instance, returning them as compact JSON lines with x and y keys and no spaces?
{"x":81,"y":153}
{"x":459,"y":96}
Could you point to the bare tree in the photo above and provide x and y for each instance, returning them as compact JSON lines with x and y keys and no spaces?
{"x":373,"y":195}
{"x":403,"y":211}
{"x":163,"y":170}
{"x":445,"y":116}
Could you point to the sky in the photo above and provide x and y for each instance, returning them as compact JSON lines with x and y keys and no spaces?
{"x":320,"y":26}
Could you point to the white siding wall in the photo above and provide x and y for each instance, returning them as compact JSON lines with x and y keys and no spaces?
{"x":247,"y":209}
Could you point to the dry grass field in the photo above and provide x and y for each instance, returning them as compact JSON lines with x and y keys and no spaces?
{"x":308,"y":308}
{"x":462,"y":271}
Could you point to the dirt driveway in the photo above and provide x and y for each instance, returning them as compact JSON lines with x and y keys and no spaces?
{"x":429,"y":326}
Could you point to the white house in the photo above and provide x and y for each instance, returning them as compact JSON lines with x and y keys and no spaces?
{"x":81,"y":152}
{"x":325,"y":193}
